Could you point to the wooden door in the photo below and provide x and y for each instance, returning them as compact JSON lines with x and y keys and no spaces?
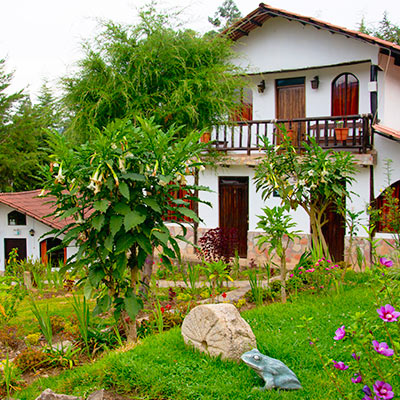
{"x":19,"y":244}
{"x":234,"y":208}
{"x":334,"y":233}
{"x":290,"y":104}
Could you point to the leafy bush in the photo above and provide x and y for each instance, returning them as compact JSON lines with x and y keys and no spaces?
{"x":11,"y":293}
{"x":219,"y":244}
{"x":31,"y":359}
{"x":9,"y":336}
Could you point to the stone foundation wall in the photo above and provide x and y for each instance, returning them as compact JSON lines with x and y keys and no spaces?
{"x":293,"y":253}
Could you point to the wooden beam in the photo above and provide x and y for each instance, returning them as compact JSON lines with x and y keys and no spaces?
{"x":255,"y":22}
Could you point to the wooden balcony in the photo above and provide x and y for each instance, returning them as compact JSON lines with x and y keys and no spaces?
{"x":246,"y":136}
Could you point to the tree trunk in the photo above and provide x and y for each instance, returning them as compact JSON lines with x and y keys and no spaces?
{"x":146,"y":275}
{"x":283,"y":277}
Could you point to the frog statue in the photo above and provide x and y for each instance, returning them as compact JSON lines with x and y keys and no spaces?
{"x":274,"y":372}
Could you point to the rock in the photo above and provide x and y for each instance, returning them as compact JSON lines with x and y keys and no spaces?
{"x":97,"y":395}
{"x":48,"y":394}
{"x":218,"y":329}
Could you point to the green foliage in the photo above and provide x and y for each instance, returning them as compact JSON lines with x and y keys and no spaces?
{"x":151,"y":70}
{"x":385,"y":30}
{"x":217,"y":272}
{"x":44,"y":321}
{"x":9,"y":377}
{"x":312,"y":180}
{"x":83,"y":316}
{"x":22,"y":136}
{"x":127,"y":176}
{"x":12,"y":292}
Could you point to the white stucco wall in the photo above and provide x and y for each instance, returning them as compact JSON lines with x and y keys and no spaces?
{"x":389,"y":97}
{"x":281,"y":44}
{"x":22,"y":232}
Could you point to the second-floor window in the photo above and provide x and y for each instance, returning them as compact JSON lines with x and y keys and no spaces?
{"x":345,"y":89}
{"x":16,"y":218}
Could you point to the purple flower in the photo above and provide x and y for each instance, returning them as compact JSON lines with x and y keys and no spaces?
{"x":386,"y":262}
{"x":366,"y":397}
{"x":340,"y":365}
{"x":355,"y":356}
{"x":340,"y":333}
{"x":388,"y":313}
{"x":382,"y":348}
{"x":367,"y":390}
{"x":291,"y":275}
{"x":383,"y":390}
{"x":357,"y":378}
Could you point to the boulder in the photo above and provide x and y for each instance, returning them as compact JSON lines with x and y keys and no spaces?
{"x":218,"y":329}
{"x":48,"y":394}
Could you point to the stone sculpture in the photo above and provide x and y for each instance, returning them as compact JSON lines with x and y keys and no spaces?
{"x":274,"y":372}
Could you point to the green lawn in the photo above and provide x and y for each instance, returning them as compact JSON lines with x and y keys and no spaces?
{"x":162,"y":367}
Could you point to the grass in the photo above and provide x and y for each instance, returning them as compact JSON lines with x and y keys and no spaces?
{"x":162,"y":367}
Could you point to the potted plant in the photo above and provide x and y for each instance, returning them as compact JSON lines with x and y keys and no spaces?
{"x":341,"y":131}
{"x":205,"y":137}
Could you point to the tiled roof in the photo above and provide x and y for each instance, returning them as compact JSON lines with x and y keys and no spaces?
{"x":31,"y":204}
{"x":387,"y":132}
{"x":264,"y":12}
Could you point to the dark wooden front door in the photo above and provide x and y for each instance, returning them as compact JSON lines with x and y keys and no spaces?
{"x":334,"y":233}
{"x":234,"y":208}
{"x":290,"y":104}
{"x":10,"y":244}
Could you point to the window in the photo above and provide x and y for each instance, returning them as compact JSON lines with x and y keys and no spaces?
{"x":388,"y":204}
{"x":345,"y":89}
{"x":16,"y":218}
{"x":245,"y":109}
{"x":183,"y":195}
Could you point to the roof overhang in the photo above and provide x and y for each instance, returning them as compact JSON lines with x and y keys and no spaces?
{"x":264,"y":12}
{"x":387,"y":132}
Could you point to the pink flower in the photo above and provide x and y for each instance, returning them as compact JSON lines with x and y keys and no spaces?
{"x":388,"y":313}
{"x":383,"y":390}
{"x":340,"y":333}
{"x":327,"y":269}
{"x":340,"y":365}
{"x":355,"y":356}
{"x":357,"y":378}
{"x":336,"y":266}
{"x":291,"y":275}
{"x":311,"y":269}
{"x":328,"y":261}
{"x":386,"y":262}
{"x":300,"y":267}
{"x":382,"y":348}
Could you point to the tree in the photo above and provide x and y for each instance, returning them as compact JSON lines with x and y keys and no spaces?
{"x":225,"y":16}
{"x":23,"y":134}
{"x":313,"y":180}
{"x":386,"y":30}
{"x":151,"y":70}
{"x":117,"y":188}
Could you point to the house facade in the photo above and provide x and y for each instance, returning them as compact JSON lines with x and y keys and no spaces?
{"x":24,"y":224}
{"x":312,"y":77}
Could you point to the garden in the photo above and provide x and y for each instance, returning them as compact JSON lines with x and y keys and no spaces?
{"x":129,"y":161}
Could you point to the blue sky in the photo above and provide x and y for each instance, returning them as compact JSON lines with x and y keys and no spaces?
{"x":41,"y":39}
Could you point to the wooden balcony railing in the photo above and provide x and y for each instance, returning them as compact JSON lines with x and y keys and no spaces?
{"x":246,"y":136}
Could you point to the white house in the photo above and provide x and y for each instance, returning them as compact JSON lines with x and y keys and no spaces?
{"x":308,"y":74}
{"x":23,"y":225}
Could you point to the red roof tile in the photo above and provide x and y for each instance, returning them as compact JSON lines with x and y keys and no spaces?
{"x":36,"y":207}
{"x":387,"y":132}
{"x":257,"y":17}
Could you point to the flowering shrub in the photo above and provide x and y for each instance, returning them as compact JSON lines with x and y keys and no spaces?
{"x":318,"y":276}
{"x":371,"y":344}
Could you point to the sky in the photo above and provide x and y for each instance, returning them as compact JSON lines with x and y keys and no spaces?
{"x":42,"y":39}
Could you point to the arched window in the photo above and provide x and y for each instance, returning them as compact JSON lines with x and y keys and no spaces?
{"x":54,"y":257}
{"x":16,"y":218}
{"x":388,"y":204}
{"x":345,"y":89}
